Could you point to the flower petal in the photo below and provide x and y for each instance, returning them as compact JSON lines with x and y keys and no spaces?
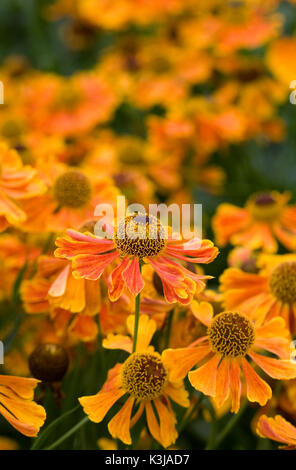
{"x":204,"y":378}
{"x":257,"y":389}
{"x":119,"y":426}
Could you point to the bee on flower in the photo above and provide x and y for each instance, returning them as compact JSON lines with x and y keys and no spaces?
{"x":132,"y":244}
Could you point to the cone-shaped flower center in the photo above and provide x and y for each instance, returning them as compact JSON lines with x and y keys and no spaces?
{"x":283,"y":282}
{"x":140,"y":235}
{"x":264,"y":206}
{"x":144,"y":376}
{"x":231,"y":334}
{"x":72,"y":189}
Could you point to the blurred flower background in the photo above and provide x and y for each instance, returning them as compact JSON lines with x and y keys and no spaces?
{"x":162,"y":101}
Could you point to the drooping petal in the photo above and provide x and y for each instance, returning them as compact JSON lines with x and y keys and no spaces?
{"x":96,"y":406}
{"x":152,"y":422}
{"x":91,"y":267}
{"x":178,"y":393}
{"x":167,"y":419}
{"x":223,"y":382}
{"x":277,"y":429}
{"x":116,"y":280}
{"x":257,"y":389}
{"x":180,"y":361}
{"x":119,"y":426}
{"x":132,"y":276}
{"x":27,"y":428}
{"x":76,"y":243}
{"x":194,"y":251}
{"x":204,"y":378}
{"x":25,"y":415}
{"x":23,"y":387}
{"x":280,"y":369}
{"x":235,"y":385}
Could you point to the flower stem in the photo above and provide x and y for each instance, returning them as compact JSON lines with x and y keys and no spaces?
{"x":228,"y":428}
{"x":136,"y":327}
{"x":212,"y":437}
{"x":189,"y":415}
{"x":46,"y":433}
{"x":68,"y":434}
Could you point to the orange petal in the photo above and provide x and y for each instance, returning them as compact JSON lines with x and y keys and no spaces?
{"x":118,"y":342}
{"x":257,"y":389}
{"x":277,"y":429}
{"x":146,"y":330}
{"x":152,"y":422}
{"x":167,"y":419}
{"x":178,"y":393}
{"x":23,"y":387}
{"x":84,"y":328}
{"x":96,"y":406}
{"x":22,"y":413}
{"x":132,"y":276}
{"x":204,"y":378}
{"x":223,"y":382}
{"x":180,"y":361}
{"x":235,"y":385}
{"x":276,"y":368}
{"x":116,"y":281}
{"x":119,"y":426}
{"x":203,"y":311}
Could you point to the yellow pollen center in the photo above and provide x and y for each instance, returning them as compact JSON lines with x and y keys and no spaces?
{"x":68,"y":98}
{"x":144,"y":376}
{"x":140,"y":235}
{"x":264,"y":207}
{"x":283,"y":282}
{"x":72,"y":189}
{"x":231,"y":334}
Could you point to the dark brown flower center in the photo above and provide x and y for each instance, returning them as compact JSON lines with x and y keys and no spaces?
{"x":140,"y":235}
{"x":231,"y":334}
{"x":144,"y":376}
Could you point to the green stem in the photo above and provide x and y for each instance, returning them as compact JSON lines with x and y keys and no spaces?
{"x":188,"y":417}
{"x":212,"y":437}
{"x":228,"y":428}
{"x":46,"y":433}
{"x":136,"y":327}
{"x":68,"y":434}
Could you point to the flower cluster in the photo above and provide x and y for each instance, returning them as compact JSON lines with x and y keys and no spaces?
{"x":141,"y":330}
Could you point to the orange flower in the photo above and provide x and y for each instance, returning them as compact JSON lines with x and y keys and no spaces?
{"x":268,"y":293}
{"x":67,"y":106}
{"x":17,"y":182}
{"x":277,"y":429}
{"x":144,"y":378}
{"x":71,"y":302}
{"x":17,"y":405}
{"x":91,"y":255}
{"x":221,"y":357}
{"x":265,"y":218}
